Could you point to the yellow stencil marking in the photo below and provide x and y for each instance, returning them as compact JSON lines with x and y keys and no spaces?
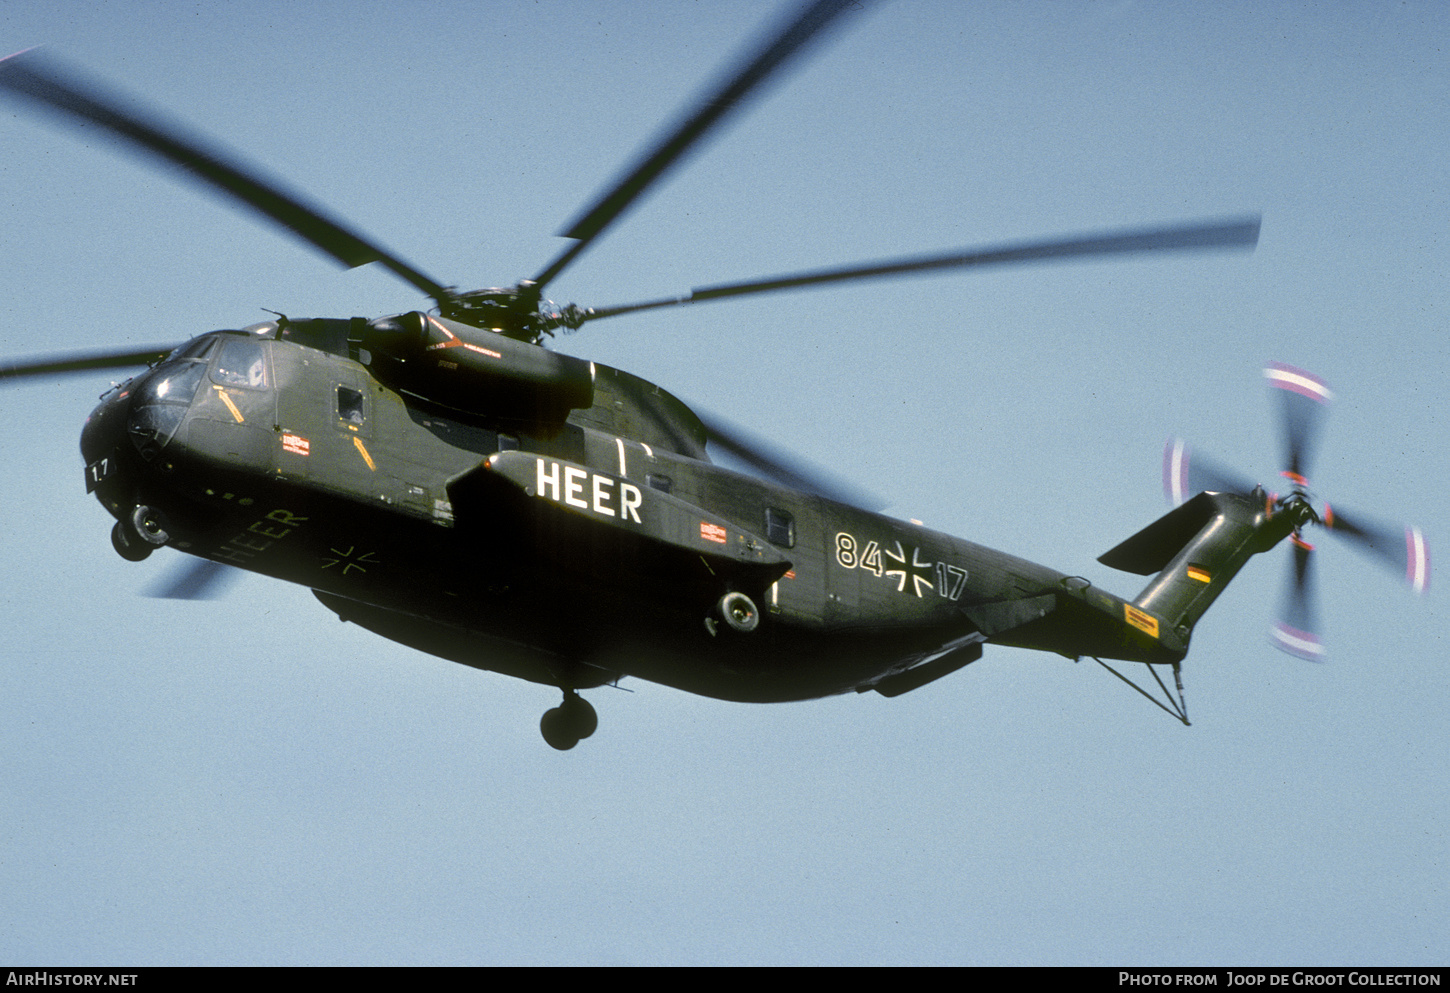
{"x":1194,"y":572}
{"x":1140,"y":620}
{"x":228,"y":401}
{"x":364,"y":453}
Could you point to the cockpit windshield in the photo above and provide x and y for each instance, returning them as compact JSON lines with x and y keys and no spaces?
{"x":160,"y":404}
{"x":171,"y":384}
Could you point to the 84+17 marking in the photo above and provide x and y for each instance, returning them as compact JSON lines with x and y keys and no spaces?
{"x":949,"y":578}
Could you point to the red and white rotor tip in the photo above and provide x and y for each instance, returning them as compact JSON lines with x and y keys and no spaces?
{"x":1175,"y":471}
{"x":1286,"y":377}
{"x":1417,"y":555}
{"x":1301,"y":644}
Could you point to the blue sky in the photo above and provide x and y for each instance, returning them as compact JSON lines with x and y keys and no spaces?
{"x":248,"y":781}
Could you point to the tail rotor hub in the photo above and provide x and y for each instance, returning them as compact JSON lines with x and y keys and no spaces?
{"x":1300,"y":510}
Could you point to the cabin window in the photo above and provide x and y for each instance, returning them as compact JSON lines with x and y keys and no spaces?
{"x":659,"y":482}
{"x":243,"y":362}
{"x":779,"y":527}
{"x":349,"y":405}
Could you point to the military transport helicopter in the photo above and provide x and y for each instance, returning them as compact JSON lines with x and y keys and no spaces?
{"x":444,"y":480}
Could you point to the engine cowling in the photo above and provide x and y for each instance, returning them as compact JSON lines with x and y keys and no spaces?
{"x":475,"y":370}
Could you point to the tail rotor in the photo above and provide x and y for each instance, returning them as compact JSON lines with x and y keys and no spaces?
{"x":1303,"y":399}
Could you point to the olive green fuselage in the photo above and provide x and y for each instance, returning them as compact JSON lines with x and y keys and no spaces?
{"x":570,"y":551}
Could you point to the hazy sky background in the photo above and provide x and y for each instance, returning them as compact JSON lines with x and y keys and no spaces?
{"x":249,"y":781}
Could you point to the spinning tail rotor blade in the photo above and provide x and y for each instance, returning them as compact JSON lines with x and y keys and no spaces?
{"x":1186,"y":474}
{"x":37,"y":78}
{"x":1297,"y":629}
{"x":1401,"y":548}
{"x":1304,"y":398}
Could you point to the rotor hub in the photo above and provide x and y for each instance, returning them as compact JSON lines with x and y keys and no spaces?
{"x":518,"y":312}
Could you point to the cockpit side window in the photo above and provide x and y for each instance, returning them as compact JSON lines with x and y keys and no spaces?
{"x":349,"y":405}
{"x":242,"y":362}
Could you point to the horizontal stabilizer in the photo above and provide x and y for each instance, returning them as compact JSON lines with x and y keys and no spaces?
{"x":1151,"y":549}
{"x":999,"y":616}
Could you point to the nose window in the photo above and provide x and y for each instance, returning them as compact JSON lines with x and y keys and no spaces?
{"x":174,"y":383}
{"x":160,"y":404}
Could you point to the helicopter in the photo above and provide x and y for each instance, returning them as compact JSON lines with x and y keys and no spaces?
{"x":444,"y":480}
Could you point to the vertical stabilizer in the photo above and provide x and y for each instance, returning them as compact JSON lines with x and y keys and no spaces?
{"x":1196,"y":550}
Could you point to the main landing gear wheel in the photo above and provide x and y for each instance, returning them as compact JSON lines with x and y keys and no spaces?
{"x":738,"y":612}
{"x":569,"y":723}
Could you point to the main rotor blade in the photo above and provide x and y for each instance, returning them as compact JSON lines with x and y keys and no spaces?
{"x":1242,"y":233}
{"x":731,"y":95}
{"x":41,"y":80}
{"x":784,"y":468}
{"x":59,"y":365}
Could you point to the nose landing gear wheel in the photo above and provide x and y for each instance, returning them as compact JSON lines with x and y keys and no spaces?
{"x":128,"y":543}
{"x":150,"y":526}
{"x":569,"y":723}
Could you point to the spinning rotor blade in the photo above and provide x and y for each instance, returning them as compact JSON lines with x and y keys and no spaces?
{"x":1186,"y":475}
{"x":1304,"y":397}
{"x":1296,"y":630}
{"x":59,"y":365}
{"x":39,"y":79}
{"x":744,"y":83}
{"x":786,"y":469}
{"x":202,"y":579}
{"x":1403,"y":549}
{"x":1241,"y":233}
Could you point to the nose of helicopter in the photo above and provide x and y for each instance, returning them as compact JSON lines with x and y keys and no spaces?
{"x":103,"y":434}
